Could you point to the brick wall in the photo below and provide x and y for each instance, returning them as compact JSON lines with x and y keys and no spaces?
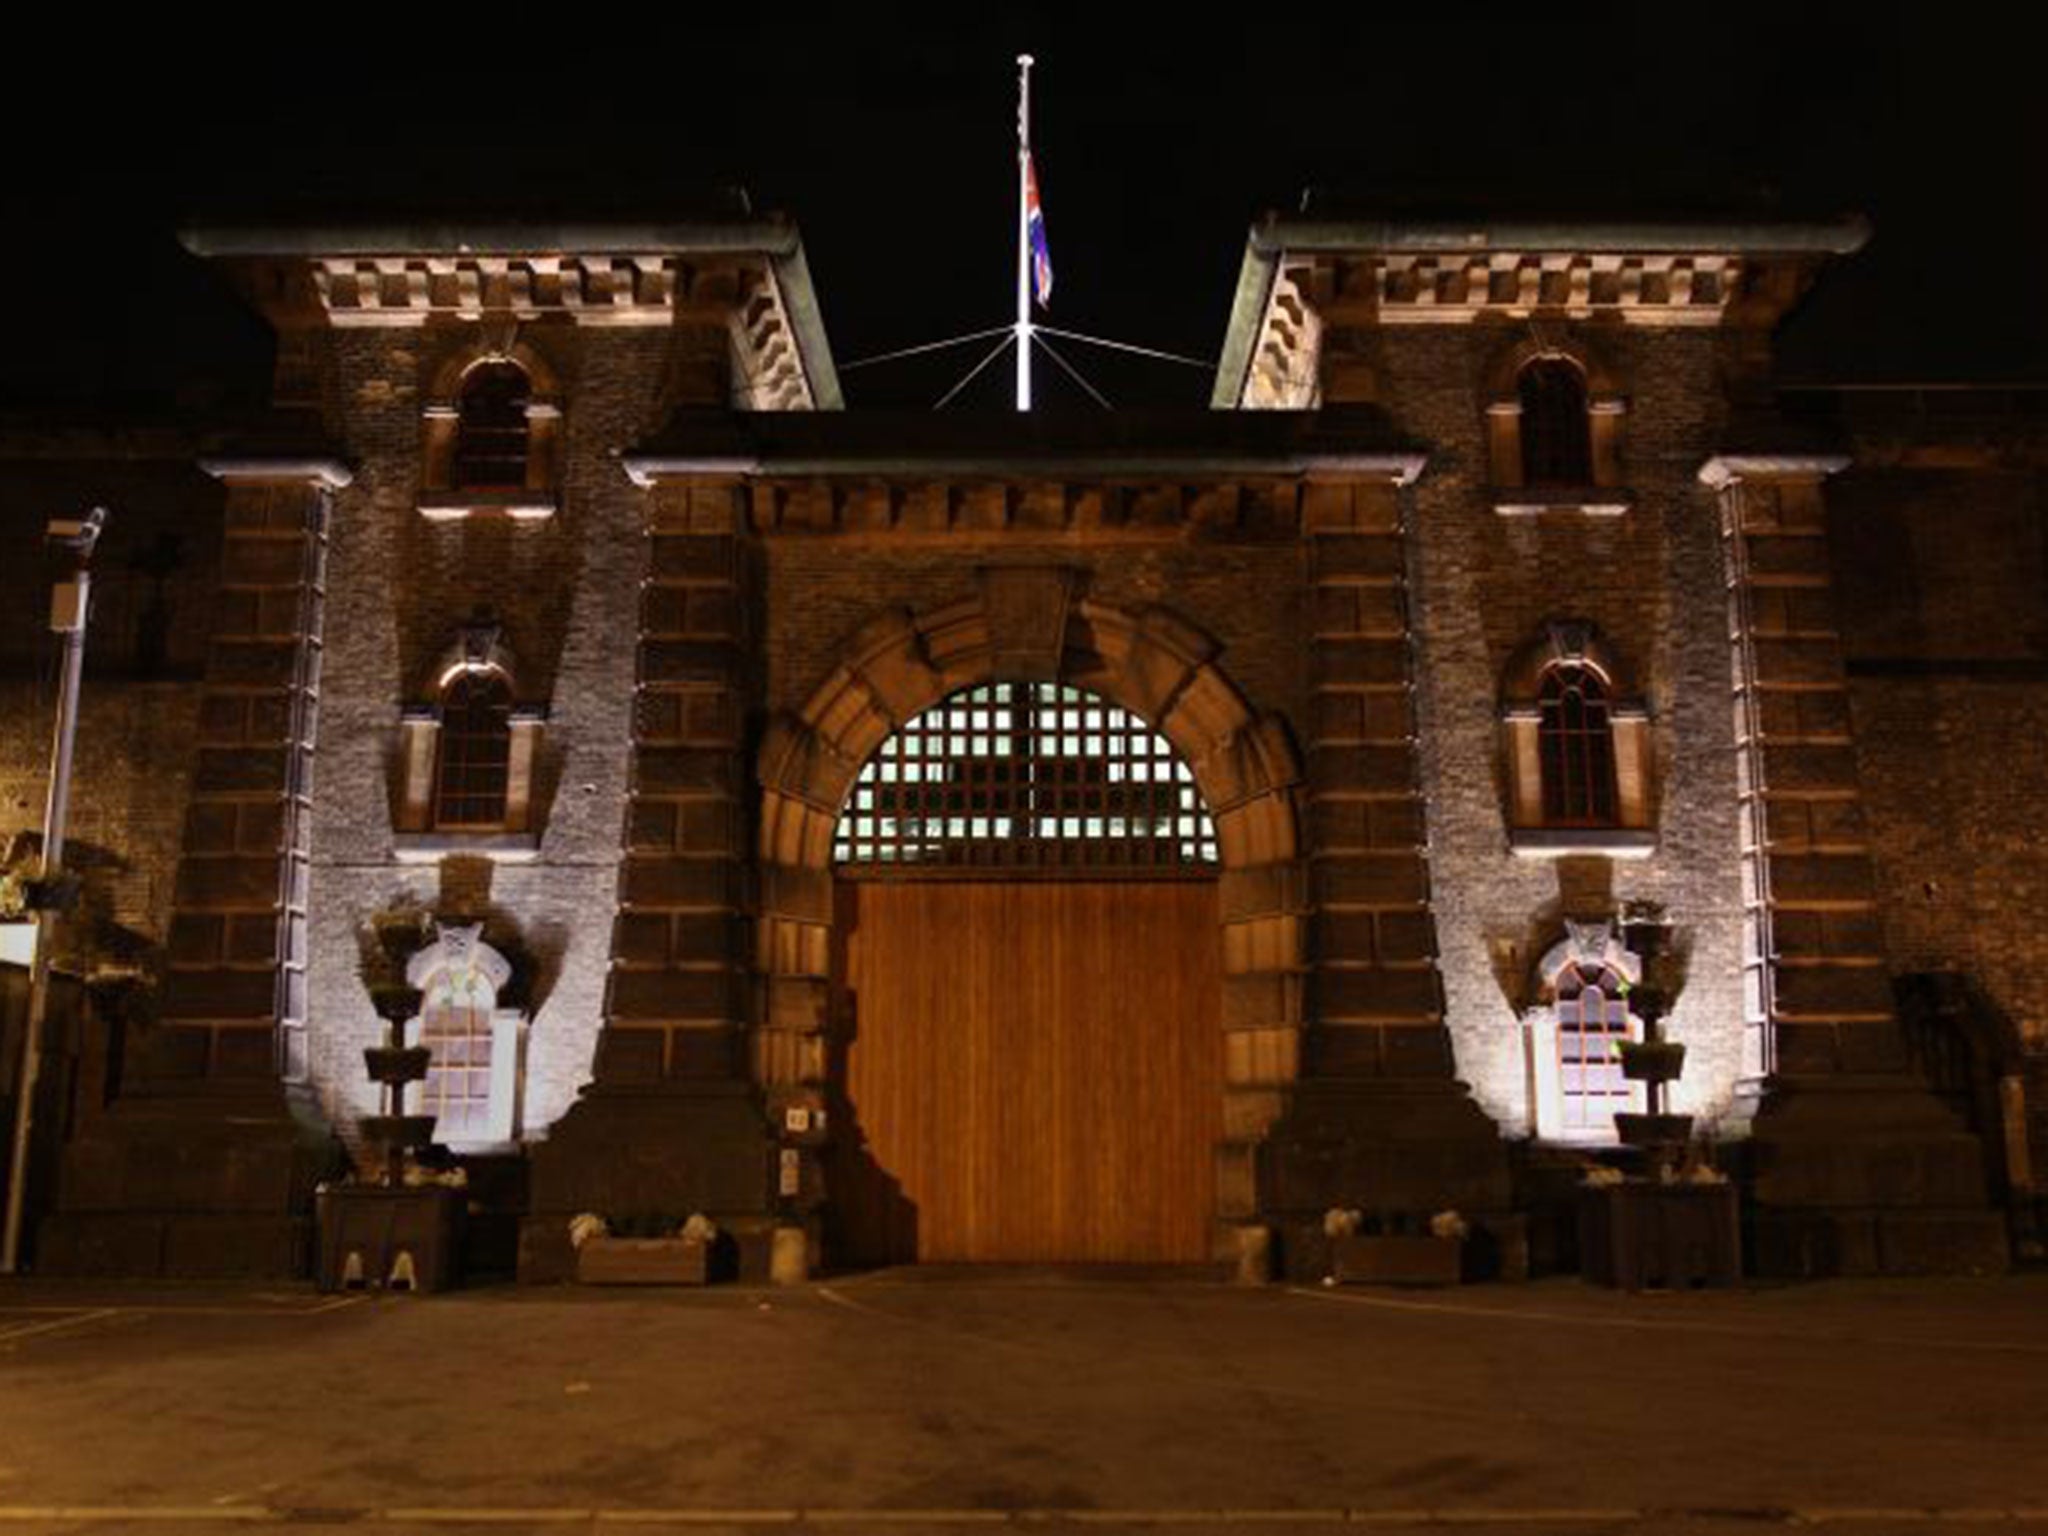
{"x":125,"y":823}
{"x":153,"y":580}
{"x":1943,"y":579}
{"x":1249,"y":597}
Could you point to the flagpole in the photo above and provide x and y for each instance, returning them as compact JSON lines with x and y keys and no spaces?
{"x":1023,"y":232}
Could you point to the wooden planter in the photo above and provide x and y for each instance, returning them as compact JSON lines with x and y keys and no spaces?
{"x":1639,"y":1235}
{"x":1652,"y":1061}
{"x":1396,"y":1259}
{"x":374,"y":1237}
{"x":643,"y":1261}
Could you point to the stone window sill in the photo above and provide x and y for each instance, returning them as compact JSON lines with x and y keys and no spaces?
{"x":455,"y":506}
{"x":1579,"y":500}
{"x":1581,"y":842}
{"x":499,"y":847}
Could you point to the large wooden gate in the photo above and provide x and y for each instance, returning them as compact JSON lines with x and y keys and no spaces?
{"x":1032,"y":1069}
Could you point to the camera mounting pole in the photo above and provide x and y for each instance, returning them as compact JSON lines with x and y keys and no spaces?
{"x":70,"y":602}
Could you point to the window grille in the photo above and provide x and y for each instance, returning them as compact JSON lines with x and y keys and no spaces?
{"x":1592,"y":1020}
{"x":1026,"y":776}
{"x":456,"y":1028}
{"x":1557,"y":440}
{"x":476,"y":752}
{"x":1575,"y":741}
{"x":491,"y":437}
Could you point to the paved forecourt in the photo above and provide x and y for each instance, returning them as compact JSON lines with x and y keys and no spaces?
{"x":1007,"y":1400}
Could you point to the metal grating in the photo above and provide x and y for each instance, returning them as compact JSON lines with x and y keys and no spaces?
{"x":1026,"y":776}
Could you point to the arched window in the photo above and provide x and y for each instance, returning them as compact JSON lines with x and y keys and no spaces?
{"x":1592,"y":1021}
{"x":1576,"y":746}
{"x":472,"y":1083}
{"x":1557,"y":440}
{"x":1574,"y":1033}
{"x":1026,"y":775}
{"x":492,"y":437}
{"x":1575,"y":742}
{"x":471,"y":758}
{"x":473,"y":774}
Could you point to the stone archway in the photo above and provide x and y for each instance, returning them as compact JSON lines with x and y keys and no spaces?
{"x":1032,"y":623}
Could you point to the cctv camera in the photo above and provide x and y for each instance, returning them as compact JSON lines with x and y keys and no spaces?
{"x":77,"y":534}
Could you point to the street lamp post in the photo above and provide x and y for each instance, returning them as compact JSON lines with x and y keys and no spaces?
{"x":70,"y":602}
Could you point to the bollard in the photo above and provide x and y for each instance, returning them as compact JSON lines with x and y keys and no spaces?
{"x":1254,"y":1255}
{"x":789,"y":1257}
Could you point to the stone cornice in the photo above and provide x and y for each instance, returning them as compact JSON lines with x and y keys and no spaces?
{"x":1272,"y":354}
{"x":771,"y":235}
{"x":327,"y":474}
{"x":1399,"y":468}
{"x":1253,"y":508}
{"x":1439,"y":288}
{"x":751,"y":275}
{"x":621,"y":289}
{"x":1300,"y":274}
{"x":1725,"y":469}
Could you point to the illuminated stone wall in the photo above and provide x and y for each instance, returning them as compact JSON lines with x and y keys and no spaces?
{"x":1483,"y":585}
{"x":562,"y":591}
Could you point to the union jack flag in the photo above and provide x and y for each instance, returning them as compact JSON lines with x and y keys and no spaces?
{"x":1034,"y":227}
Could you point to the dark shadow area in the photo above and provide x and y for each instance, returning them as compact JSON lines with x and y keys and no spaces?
{"x":869,"y":1223}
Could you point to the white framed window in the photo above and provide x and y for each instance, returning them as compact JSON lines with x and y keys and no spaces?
{"x":475,"y":1073}
{"x":1572,"y":1037}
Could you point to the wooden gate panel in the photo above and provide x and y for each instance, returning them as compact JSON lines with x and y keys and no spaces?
{"x":1034,"y":1070}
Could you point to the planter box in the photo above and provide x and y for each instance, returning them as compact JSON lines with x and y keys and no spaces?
{"x":1640,"y":1235}
{"x":642,"y":1261}
{"x":1652,"y":1061}
{"x":1652,"y":1130}
{"x":1396,"y":1259}
{"x":390,"y":1239}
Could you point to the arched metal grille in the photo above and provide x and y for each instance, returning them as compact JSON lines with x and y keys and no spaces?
{"x":491,"y":435}
{"x":1592,"y":1020}
{"x":1026,"y":776}
{"x":1557,"y":443}
{"x":476,"y":752}
{"x":1575,"y":739}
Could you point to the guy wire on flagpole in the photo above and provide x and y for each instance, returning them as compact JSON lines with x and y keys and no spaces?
{"x":928,"y":346}
{"x":1033,"y":284}
{"x":1038,"y":336}
{"x":975,"y":372}
{"x":1125,"y":346}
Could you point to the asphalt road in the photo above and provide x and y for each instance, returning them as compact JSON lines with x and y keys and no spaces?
{"x":1001,"y":1401}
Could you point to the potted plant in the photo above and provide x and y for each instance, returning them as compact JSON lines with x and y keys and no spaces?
{"x":1671,"y":1219}
{"x":400,"y":1227}
{"x":1390,"y":1250}
{"x":663,"y":1254}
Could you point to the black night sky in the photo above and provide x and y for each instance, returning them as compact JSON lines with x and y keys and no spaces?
{"x":890,"y":140}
